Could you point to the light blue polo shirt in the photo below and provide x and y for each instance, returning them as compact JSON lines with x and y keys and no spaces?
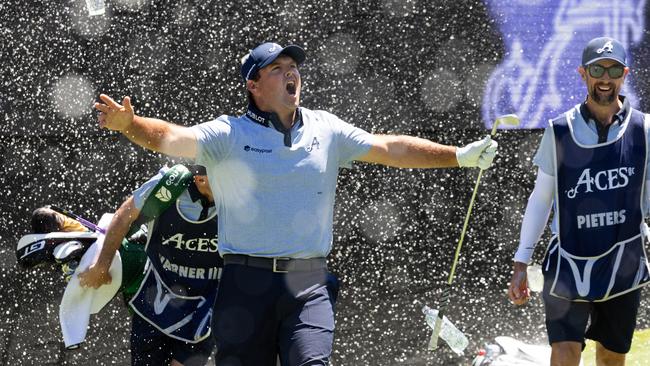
{"x":189,"y":208}
{"x":276,"y":189}
{"x":585,"y":133}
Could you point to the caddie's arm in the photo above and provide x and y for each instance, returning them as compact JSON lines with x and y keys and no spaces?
{"x":535,"y":218}
{"x":414,"y":152}
{"x":150,"y":133}
{"x":98,"y":274}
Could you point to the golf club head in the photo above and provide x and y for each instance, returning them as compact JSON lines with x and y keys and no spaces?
{"x":507,"y":119}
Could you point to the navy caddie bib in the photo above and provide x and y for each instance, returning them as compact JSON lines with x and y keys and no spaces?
{"x":600,"y":252}
{"x":183,"y":270}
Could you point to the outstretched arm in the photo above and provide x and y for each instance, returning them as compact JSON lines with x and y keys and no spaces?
{"x":97,"y":274}
{"x":414,"y":152}
{"x":150,"y":133}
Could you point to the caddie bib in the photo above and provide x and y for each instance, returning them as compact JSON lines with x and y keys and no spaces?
{"x":600,"y":252}
{"x":179,"y":288}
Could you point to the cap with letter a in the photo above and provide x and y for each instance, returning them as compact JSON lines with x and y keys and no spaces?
{"x":604,"y":48}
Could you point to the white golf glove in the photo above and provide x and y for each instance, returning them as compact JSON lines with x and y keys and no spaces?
{"x":477,"y":154}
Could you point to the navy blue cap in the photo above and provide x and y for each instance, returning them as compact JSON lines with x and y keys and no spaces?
{"x":265,"y":54}
{"x":604,"y":48}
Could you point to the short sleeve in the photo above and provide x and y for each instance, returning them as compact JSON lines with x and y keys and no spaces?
{"x":141,"y":194}
{"x":352,"y":142}
{"x":544,"y":156}
{"x":213,"y":142}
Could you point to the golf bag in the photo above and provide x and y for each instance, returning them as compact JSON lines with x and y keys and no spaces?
{"x":58,"y":247}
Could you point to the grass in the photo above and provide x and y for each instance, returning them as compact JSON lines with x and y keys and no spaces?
{"x":639,"y":355}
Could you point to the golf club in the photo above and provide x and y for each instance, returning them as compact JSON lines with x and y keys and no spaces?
{"x":510,"y":120}
{"x":81,"y":220}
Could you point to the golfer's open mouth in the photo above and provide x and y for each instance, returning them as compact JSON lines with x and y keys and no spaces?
{"x":291,"y":87}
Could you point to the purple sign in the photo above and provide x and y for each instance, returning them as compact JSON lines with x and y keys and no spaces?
{"x":538,"y":78}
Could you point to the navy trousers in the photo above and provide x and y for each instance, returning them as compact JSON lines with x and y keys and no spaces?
{"x":263,"y":315}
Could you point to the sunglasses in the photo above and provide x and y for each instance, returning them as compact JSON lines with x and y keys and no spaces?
{"x":614,"y":71}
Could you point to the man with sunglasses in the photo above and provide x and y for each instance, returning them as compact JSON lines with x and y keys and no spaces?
{"x":593,"y":170}
{"x":275,"y":170}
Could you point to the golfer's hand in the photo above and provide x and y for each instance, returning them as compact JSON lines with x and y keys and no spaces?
{"x":95,"y":276}
{"x":477,"y":154}
{"x":518,"y":289}
{"x":115,"y":116}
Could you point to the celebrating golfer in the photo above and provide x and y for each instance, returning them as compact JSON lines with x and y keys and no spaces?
{"x":274,"y":169}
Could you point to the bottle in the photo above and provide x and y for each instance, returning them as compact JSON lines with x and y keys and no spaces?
{"x":456,"y":340}
{"x":95,"y":7}
{"x":535,"y":278}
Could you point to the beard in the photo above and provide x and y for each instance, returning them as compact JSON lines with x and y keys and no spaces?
{"x":601,"y":98}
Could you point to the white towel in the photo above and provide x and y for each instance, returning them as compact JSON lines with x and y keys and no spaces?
{"x":79,"y":302}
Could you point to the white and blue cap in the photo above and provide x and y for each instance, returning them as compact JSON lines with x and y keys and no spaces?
{"x":604,"y":48}
{"x":265,"y":54}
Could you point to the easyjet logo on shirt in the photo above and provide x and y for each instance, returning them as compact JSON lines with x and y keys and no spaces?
{"x":257,"y":150}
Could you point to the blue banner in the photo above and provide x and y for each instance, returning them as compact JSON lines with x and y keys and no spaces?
{"x":537,"y":78}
